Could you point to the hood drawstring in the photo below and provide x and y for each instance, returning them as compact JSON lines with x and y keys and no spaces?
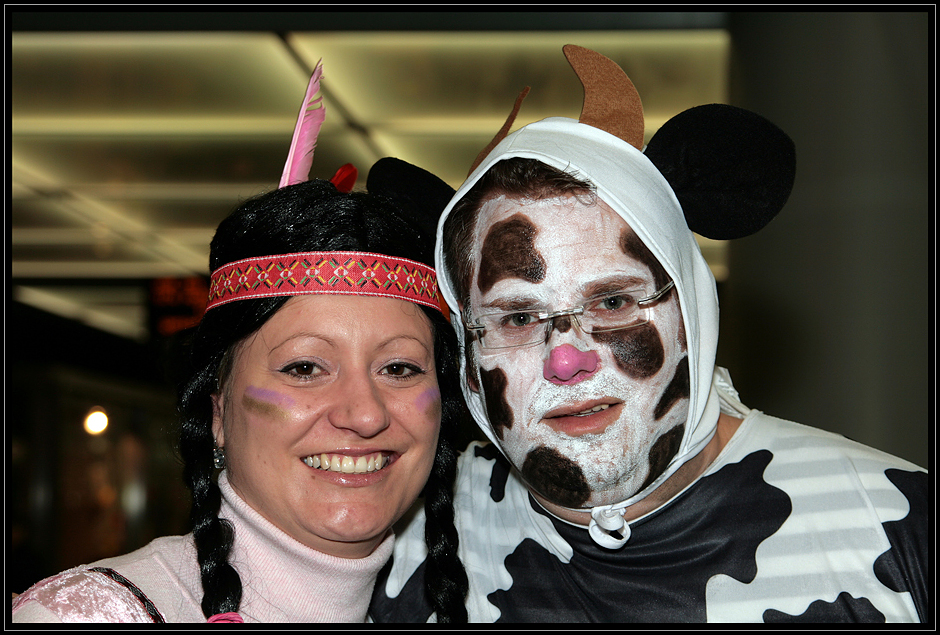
{"x":608,"y":528}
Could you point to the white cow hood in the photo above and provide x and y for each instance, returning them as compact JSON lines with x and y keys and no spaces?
{"x":722,"y":171}
{"x":628,"y":182}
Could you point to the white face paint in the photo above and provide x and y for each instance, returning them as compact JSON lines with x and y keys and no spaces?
{"x":549,"y":386}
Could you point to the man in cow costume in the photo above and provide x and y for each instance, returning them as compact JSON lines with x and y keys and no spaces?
{"x":626,"y":481}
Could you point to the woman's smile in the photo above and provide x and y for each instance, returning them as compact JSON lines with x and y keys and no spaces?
{"x":347,"y":464}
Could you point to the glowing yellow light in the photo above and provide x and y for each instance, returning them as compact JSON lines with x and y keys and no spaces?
{"x":96,"y":421}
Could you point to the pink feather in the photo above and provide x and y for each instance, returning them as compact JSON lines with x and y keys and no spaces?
{"x":312,"y":112}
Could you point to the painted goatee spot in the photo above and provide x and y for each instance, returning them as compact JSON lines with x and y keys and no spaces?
{"x":494,"y":393}
{"x":638,"y":351}
{"x":556,"y":477}
{"x":662,"y":452}
{"x":509,"y":252}
{"x":677,"y":390}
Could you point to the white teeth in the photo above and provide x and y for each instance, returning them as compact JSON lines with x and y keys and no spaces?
{"x":347,"y":464}
{"x":591,"y":411}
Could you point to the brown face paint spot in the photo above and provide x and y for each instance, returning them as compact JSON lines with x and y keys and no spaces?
{"x":556,"y":477}
{"x":562,"y":323}
{"x":638,"y":351}
{"x":677,"y":390}
{"x":494,"y":393}
{"x":632,"y":246}
{"x":662,"y":452}
{"x":509,"y":252}
{"x":263,"y":408}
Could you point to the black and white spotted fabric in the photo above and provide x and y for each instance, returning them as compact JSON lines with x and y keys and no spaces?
{"x":790,"y":524}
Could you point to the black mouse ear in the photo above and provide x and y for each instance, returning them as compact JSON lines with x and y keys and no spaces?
{"x":731,"y":169}
{"x":422,"y":195}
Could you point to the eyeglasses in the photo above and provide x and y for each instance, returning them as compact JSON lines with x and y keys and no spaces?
{"x":600,"y":314}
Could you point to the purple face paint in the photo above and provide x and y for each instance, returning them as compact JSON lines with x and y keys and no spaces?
{"x":268,"y":402}
{"x":430,"y":398}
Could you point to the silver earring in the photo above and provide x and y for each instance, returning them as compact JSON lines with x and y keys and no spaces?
{"x":218,"y":458}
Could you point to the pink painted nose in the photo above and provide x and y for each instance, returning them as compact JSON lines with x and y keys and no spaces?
{"x":568,"y":365}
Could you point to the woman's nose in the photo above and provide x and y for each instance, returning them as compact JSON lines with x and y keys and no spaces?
{"x":567,"y":365}
{"x":360,"y":408}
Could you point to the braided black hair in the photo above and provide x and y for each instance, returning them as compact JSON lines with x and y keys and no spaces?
{"x":445,"y":580}
{"x":309,"y":216}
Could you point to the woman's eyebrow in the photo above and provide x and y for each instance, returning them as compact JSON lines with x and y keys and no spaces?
{"x":402,"y":336}
{"x":304,"y":336}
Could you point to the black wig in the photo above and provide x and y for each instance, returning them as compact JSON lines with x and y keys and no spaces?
{"x":396,"y":217}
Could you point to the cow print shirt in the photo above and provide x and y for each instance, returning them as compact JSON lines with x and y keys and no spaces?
{"x":789,"y":524}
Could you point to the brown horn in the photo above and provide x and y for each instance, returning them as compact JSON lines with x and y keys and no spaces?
{"x":611,"y":101}
{"x":502,"y":131}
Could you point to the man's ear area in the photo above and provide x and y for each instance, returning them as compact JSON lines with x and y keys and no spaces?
{"x":472,"y":381}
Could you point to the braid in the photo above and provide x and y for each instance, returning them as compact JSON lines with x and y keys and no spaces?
{"x":445,"y":578}
{"x":222,"y":587}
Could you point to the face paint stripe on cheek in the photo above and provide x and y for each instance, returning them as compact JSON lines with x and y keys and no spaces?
{"x":429,"y":402}
{"x":638,"y":352}
{"x":256,"y":400}
{"x":677,"y":390}
{"x":270,"y":396}
{"x":494,"y":390}
{"x":509,"y":252}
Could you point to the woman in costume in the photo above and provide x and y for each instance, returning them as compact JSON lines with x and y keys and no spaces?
{"x":320,"y":400}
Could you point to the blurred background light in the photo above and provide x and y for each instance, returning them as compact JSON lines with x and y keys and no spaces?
{"x":96,"y":422}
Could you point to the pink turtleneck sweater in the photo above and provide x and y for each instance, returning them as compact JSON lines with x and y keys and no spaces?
{"x":282,"y":579}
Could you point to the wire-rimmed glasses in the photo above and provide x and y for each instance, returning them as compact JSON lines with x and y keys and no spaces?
{"x":615,"y":311}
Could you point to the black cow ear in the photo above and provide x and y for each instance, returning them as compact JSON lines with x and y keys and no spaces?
{"x":423,"y":195}
{"x":731,"y":169}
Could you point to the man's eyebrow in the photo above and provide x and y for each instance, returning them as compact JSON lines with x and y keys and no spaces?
{"x":613,"y":284}
{"x":590,"y":290}
{"x":512,"y":304}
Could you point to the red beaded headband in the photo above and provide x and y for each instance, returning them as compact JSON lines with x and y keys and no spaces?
{"x":326,"y":272}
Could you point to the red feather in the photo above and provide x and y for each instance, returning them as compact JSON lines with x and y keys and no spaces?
{"x":345,"y":178}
